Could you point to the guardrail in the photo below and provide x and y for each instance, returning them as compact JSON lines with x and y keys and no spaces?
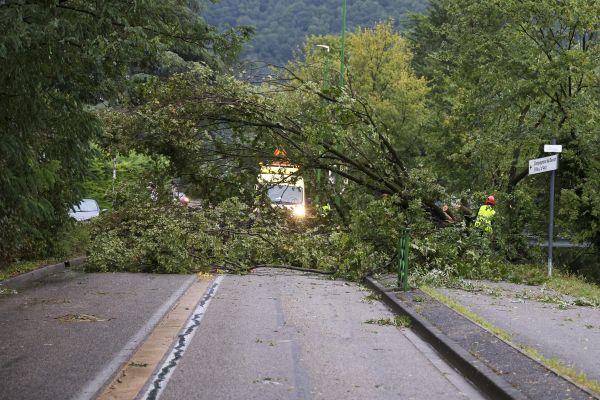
{"x":556,"y":243}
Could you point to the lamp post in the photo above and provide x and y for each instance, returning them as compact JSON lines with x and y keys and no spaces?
{"x":325,"y":85}
{"x":343,"y":44}
{"x":326,"y":73}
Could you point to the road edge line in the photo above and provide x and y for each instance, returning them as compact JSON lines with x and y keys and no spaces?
{"x":94,"y":387}
{"x":160,"y":378}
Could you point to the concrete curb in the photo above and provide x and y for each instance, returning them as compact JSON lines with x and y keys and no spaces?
{"x":20,"y":281}
{"x":474,"y":370}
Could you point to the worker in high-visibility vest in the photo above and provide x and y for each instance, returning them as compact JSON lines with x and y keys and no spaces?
{"x":486,"y":214}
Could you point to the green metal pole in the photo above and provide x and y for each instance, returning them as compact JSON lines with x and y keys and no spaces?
{"x":325,"y":87}
{"x":343,"y":44}
{"x":403,"y":246}
{"x":342,"y":66}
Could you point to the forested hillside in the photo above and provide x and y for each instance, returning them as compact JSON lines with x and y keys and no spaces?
{"x":282,"y":25}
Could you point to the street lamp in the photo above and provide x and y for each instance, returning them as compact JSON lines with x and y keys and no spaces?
{"x":325,"y":86}
{"x":343,"y":44}
{"x":326,"y":72}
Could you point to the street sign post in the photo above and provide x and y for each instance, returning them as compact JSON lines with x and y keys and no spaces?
{"x":548,"y":164}
{"x":545,"y":164}
{"x":552,"y":148}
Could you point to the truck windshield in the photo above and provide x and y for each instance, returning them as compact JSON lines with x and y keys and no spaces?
{"x":285,"y":194}
{"x":86,"y":205}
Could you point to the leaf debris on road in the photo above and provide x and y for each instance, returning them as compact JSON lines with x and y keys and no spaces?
{"x":80,"y":318}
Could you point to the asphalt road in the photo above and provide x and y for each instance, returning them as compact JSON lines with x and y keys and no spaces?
{"x":279,"y":335}
{"x":65,"y":336}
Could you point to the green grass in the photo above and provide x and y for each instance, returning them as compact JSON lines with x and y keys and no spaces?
{"x":577,"y":287}
{"x":70,"y":244}
{"x":585,"y":293}
{"x":555,"y":365}
{"x":562,"y":369}
{"x":19,"y":268}
{"x":459,"y":308}
{"x":527,"y":274}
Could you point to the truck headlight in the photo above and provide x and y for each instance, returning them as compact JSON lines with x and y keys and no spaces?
{"x":299,"y":211}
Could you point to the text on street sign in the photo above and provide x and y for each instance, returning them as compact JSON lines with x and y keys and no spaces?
{"x":544,"y":164}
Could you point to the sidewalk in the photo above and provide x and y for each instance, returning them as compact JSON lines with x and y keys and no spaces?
{"x":559,"y":331}
{"x":541,"y":319}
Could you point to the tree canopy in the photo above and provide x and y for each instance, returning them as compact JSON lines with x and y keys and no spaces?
{"x":57,"y":60}
{"x":425,"y":124}
{"x":507,"y":78}
{"x":499,"y":81}
{"x":282,"y":26}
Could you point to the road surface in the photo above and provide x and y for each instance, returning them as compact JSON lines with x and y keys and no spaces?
{"x":269,"y":335}
{"x":277,"y":335}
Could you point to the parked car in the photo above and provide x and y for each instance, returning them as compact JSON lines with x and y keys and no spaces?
{"x":86,"y":209}
{"x":183,"y":199}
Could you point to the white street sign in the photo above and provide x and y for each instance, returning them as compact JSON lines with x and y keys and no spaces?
{"x":552,"y":148}
{"x":544,"y":164}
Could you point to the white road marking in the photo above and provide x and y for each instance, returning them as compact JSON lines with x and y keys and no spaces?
{"x":161,"y":377}
{"x":93,"y":387}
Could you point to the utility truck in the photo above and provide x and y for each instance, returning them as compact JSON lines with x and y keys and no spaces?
{"x":284,"y":187}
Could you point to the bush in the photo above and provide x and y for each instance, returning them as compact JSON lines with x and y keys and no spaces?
{"x":163,"y":237}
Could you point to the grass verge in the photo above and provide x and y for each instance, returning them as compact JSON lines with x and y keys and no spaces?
{"x":555,"y":365}
{"x":71,"y":243}
{"x":18,"y":268}
{"x":462,"y":310}
{"x":586,"y":293}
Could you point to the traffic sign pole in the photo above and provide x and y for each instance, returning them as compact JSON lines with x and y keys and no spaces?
{"x":548,"y":164}
{"x":551,"y":223}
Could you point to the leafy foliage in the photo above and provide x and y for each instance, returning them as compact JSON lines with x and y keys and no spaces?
{"x":370,"y":134}
{"x":58,"y":58}
{"x":387,"y":150}
{"x":222,"y":124}
{"x":507,"y":78}
{"x":162,"y":237}
{"x":132,"y":167}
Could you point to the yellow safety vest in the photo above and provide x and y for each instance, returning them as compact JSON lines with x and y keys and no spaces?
{"x":484,"y":218}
